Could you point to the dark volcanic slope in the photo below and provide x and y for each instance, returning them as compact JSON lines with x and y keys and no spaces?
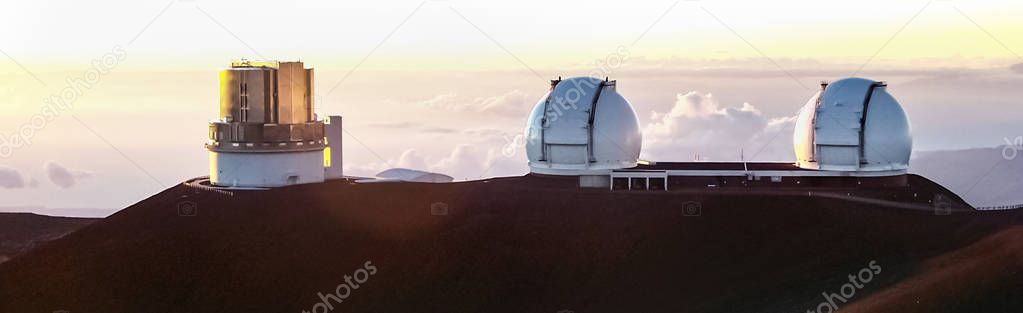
{"x":20,"y":232}
{"x":522,"y":244}
{"x":984,"y":277}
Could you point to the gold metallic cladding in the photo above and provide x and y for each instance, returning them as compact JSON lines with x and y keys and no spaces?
{"x":280,"y":94}
{"x":266,"y":106}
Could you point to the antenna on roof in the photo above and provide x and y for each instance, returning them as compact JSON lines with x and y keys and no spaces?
{"x":742,"y":157}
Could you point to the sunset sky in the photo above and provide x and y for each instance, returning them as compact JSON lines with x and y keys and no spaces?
{"x":446,"y":85}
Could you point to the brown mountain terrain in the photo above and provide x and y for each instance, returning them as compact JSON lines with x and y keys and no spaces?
{"x":20,"y":232}
{"x":524,"y":244}
{"x":982,"y":275}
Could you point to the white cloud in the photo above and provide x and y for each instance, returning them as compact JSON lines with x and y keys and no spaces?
{"x":696,"y":124}
{"x":492,"y":156}
{"x":1018,"y":68}
{"x":364,"y":170}
{"x":11,"y":179}
{"x":699,"y":125}
{"x":412,"y":159}
{"x":485,"y":132}
{"x":64,"y":177}
{"x":513,"y":103}
{"x":466,"y":162}
{"x":445,"y":101}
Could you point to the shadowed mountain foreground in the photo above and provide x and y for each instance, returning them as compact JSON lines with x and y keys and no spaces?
{"x":22,"y":232}
{"x":522,"y":244}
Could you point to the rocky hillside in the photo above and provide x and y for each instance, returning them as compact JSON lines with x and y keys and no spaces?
{"x":524,"y":244}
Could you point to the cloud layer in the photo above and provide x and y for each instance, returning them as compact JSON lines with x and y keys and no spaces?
{"x":64,"y":177}
{"x":1017,"y":68}
{"x":698,"y":125}
{"x":513,"y":103}
{"x":11,"y":178}
{"x":493,"y":155}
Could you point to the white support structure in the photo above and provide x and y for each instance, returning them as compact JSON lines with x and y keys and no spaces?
{"x":332,"y":154}
{"x":644,"y":175}
{"x":265,"y":169}
{"x":774,"y":175}
{"x":725,"y":173}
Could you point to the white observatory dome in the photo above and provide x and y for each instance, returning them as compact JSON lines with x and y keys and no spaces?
{"x":582,"y":126}
{"x":853,"y":124}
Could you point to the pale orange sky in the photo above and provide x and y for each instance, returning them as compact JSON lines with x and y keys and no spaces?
{"x":413,"y":79}
{"x":200,"y":34}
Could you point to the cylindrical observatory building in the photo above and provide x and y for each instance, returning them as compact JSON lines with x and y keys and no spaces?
{"x":267,"y":134}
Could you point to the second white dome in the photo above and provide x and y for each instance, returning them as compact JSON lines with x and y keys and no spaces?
{"x":853,"y":124}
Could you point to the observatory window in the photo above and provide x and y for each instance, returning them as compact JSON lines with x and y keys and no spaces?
{"x":638,"y":183}
{"x":243,"y":99}
{"x":656,"y":183}
{"x":620,"y":183}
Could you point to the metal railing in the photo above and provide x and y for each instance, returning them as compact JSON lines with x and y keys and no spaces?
{"x":1001,"y":207}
